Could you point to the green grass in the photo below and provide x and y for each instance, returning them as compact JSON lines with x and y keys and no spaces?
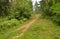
{"x":5,"y":34}
{"x":10,"y":35}
{"x":42,"y":29}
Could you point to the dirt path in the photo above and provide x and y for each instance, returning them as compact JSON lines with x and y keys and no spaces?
{"x":25,"y":27}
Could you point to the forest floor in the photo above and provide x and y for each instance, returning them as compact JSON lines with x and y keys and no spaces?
{"x":24,"y":28}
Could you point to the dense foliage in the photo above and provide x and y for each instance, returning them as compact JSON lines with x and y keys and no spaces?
{"x":4,"y":5}
{"x":37,"y":7}
{"x":51,"y":8}
{"x":12,"y":12}
{"x":22,"y":9}
{"x":56,"y":11}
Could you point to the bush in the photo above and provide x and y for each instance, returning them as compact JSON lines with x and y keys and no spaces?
{"x":9,"y":24}
{"x":56,"y":13}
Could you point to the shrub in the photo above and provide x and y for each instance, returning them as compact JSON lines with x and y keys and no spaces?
{"x":9,"y":24}
{"x":56,"y":13}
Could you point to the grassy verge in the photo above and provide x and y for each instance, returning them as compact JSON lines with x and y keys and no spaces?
{"x":9,"y":35}
{"x":42,"y":29}
{"x":5,"y":34}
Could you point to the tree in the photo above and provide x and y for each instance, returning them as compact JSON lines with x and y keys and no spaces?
{"x":51,"y":8}
{"x":4,"y":7}
{"x":37,"y":7}
{"x":45,"y":6}
{"x":21,"y":9}
{"x":56,"y":13}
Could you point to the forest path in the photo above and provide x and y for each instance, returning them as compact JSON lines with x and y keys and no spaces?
{"x":25,"y":27}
